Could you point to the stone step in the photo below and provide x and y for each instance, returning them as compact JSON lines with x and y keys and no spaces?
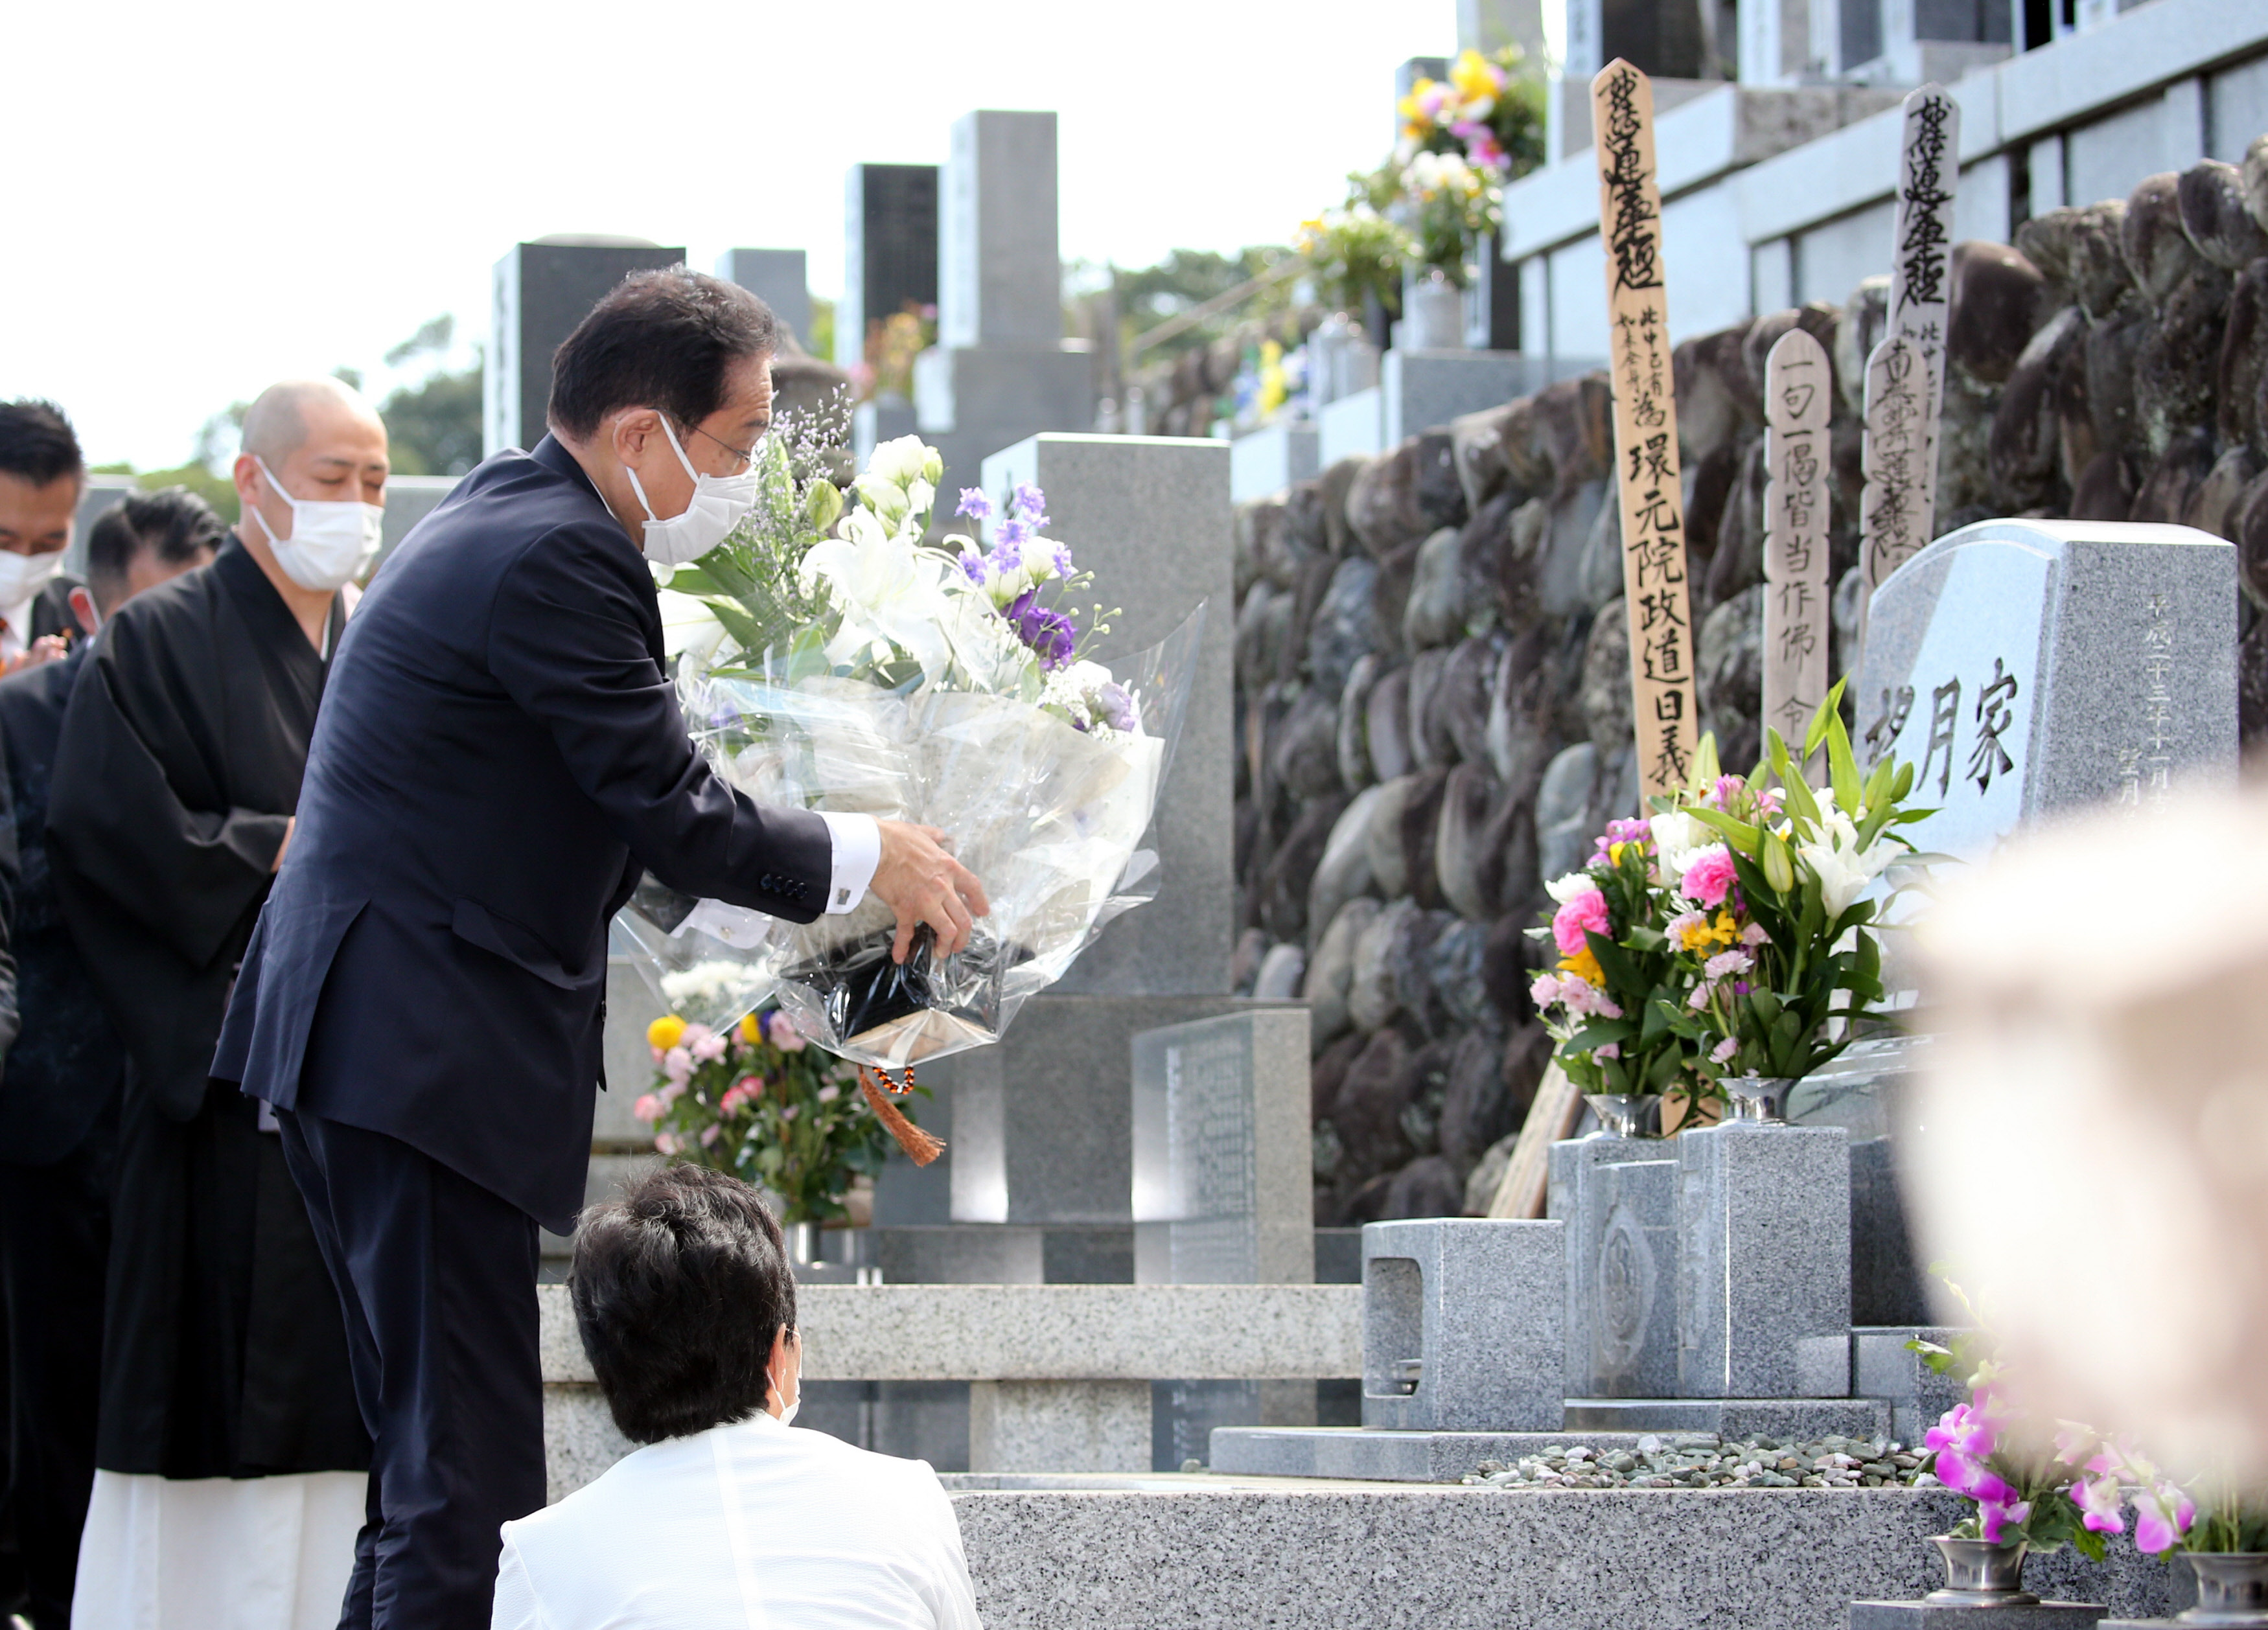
{"x":1172,"y":1553}
{"x":1732,"y":1417}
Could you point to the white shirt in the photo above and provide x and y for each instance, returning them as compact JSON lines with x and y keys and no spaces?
{"x":857,"y":851}
{"x":15,"y":636}
{"x":751,"y":1526}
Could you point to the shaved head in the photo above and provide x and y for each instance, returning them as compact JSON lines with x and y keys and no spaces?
{"x":276,"y":425}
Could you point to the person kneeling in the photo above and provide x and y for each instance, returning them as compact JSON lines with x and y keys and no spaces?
{"x":727,"y":1517}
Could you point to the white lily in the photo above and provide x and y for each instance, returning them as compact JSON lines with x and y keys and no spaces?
{"x":903,"y":462}
{"x":888,"y":591}
{"x":1677,"y":838}
{"x":1573,"y":886}
{"x":688,"y":624}
{"x":1845,"y":871}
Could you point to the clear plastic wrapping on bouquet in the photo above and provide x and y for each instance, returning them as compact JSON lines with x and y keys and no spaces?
{"x":1054,"y":821}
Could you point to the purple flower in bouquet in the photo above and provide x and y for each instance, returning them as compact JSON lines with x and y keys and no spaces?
{"x":1031,"y":503}
{"x":1966,"y":1429}
{"x":1993,"y":1513}
{"x":974,"y":504}
{"x":1011,"y":535}
{"x":975,"y":567}
{"x":1049,"y":633}
{"x":1117,"y":708}
{"x":1638,"y":832}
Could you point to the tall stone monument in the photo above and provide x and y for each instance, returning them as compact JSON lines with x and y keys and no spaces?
{"x":541,"y":290}
{"x":890,"y":266}
{"x":1001,"y":370}
{"x":777,"y":277}
{"x":1042,"y":1122}
{"x":1646,"y":475}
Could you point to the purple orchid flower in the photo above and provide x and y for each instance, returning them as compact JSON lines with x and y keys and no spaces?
{"x":975,"y":567}
{"x":1030,"y":502}
{"x":974,"y":504}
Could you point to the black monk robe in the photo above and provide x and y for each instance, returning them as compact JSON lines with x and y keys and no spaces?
{"x":179,"y":767}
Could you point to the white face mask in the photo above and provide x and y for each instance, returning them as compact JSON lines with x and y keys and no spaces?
{"x":719,"y":503}
{"x":331,"y":542}
{"x":24,"y":576}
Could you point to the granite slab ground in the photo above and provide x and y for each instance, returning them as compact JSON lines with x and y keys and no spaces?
{"x":1174,"y":1555}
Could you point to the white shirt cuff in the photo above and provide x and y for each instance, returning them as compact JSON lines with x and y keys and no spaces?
{"x":857,"y":851}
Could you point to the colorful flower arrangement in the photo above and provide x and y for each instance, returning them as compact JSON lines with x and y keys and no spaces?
{"x":756,"y":1100}
{"x":1450,"y":205}
{"x":1355,"y":253}
{"x":1730,"y":934}
{"x":1488,"y":113}
{"x":2043,"y":1484}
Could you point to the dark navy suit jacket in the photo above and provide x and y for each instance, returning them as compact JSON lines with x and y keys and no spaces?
{"x":498,"y":752}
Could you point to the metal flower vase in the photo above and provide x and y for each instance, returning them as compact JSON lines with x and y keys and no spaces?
{"x":2231,"y":1589}
{"x":1981,"y":1573}
{"x":1758,"y":1101}
{"x":1627,"y":1115}
{"x":1436,"y":319}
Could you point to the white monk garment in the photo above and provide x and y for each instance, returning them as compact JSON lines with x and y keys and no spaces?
{"x":752,"y":1524}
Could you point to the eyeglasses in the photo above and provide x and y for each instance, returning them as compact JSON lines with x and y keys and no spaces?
{"x":746,"y":458}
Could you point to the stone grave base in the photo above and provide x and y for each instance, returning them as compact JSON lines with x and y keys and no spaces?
{"x":1953,"y":1616}
{"x":1194,"y":1553}
{"x":1732,"y":1417}
{"x":1370,"y":1455}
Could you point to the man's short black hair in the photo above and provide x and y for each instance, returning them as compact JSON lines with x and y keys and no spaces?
{"x":173,"y":523}
{"x":663,"y":340}
{"x":681,"y":1288}
{"x":37,"y":443}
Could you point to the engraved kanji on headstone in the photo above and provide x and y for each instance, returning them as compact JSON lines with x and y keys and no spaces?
{"x":1799,"y":389}
{"x":1646,"y":475}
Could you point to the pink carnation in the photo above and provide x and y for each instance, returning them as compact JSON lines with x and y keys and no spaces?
{"x":1545,"y":990}
{"x":1586,"y":912}
{"x":677,"y":1064}
{"x":647,"y":1108}
{"x":780,"y":1030}
{"x":707,"y":1046}
{"x":1709,"y":875}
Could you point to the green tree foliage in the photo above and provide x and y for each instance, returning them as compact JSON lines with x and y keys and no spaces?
{"x":433,"y":427}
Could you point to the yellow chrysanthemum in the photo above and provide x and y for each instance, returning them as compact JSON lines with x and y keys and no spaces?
{"x":1711,"y":935}
{"x":752,"y":1030}
{"x":1585,"y":966}
{"x":1474,"y":76}
{"x":665,"y":1032}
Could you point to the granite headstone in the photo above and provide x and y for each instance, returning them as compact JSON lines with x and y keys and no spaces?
{"x":2031,"y":668}
{"x":540,"y":291}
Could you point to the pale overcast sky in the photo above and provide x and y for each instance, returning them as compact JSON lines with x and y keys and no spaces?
{"x":207,"y":198}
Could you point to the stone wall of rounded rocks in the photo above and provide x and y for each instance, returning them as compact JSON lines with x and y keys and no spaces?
{"x":1434,"y":709}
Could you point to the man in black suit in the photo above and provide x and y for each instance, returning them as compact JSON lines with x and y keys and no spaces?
{"x":59,"y":1100}
{"x":41,"y":477}
{"x":499,"y":755}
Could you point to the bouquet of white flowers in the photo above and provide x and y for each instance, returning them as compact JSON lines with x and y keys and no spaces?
{"x":830,"y":658}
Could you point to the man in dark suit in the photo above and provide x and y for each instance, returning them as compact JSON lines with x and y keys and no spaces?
{"x":498,"y":755}
{"x":41,"y":476}
{"x":59,"y":1099}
